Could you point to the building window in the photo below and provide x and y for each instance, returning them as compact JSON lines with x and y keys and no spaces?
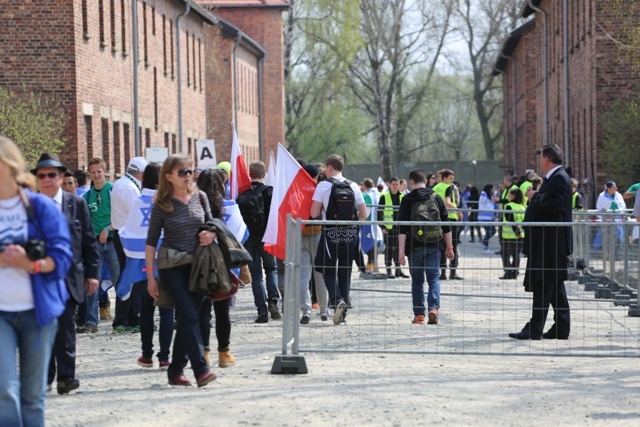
{"x":193,"y":59}
{"x":126,"y":133}
{"x":200,"y":64}
{"x":116,"y":147}
{"x":85,"y":20}
{"x":147,"y":138}
{"x":155,"y":98}
{"x":171,"y":44}
{"x":166,"y":140}
{"x":164,"y":44}
{"x":101,"y":21}
{"x":153,"y":20}
{"x":144,"y":34}
{"x":112,"y":24}
{"x":174,"y":144}
{"x":189,"y":146}
{"x":106,"y":152}
{"x":187,"y":49}
{"x":123,"y":33}
{"x":88,"y":128}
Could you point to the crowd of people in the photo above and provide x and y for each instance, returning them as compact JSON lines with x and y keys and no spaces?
{"x":149,"y":231}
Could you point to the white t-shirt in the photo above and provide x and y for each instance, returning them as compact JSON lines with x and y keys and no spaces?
{"x":125,"y":192}
{"x":323,"y":191}
{"x":15,"y":283}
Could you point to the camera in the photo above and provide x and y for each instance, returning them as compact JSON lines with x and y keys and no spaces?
{"x":34,"y":248}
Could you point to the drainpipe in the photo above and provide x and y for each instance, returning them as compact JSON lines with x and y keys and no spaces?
{"x":136,"y":106}
{"x":178,"y":22}
{"x":235,"y":78}
{"x":260,"y":110}
{"x":515,"y":112}
{"x":545,"y":69}
{"x":565,"y":36}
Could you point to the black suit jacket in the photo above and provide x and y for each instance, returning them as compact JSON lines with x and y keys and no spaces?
{"x":83,"y":244}
{"x":548,"y":247}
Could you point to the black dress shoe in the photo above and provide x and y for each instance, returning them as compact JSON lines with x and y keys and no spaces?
{"x":390,"y":276}
{"x":67,"y":385}
{"x":524,"y":335}
{"x":552,"y":334}
{"x":401,"y":274}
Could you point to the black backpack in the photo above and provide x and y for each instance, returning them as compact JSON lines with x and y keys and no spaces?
{"x":426,"y":210}
{"x":342,"y":202}
{"x":252,"y":209}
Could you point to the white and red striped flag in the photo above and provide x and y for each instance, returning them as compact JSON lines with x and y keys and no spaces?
{"x":270,"y":179}
{"x":240,"y":181}
{"x":292,"y":193}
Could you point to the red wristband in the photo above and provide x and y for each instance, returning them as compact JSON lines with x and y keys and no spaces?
{"x":36,"y":267}
{"x":147,"y":269}
{"x":450,"y":249}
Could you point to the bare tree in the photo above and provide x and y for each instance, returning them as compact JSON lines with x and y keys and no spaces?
{"x":482,"y":28}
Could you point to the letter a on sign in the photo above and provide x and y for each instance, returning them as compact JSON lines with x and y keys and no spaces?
{"x":206,"y":151}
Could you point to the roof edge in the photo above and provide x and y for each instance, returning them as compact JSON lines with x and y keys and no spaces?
{"x":231,"y":31}
{"x":510,"y":44}
{"x":527,"y":10}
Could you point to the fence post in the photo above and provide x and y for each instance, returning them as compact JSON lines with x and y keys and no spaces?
{"x":289,"y":362}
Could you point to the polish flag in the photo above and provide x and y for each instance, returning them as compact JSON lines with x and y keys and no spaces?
{"x":270,"y":179}
{"x":240,"y":181}
{"x":292,"y":193}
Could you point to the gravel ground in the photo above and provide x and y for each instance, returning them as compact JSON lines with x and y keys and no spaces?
{"x":379,"y":370}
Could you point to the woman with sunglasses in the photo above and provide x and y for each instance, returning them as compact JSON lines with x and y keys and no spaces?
{"x":35,"y":256}
{"x":179,"y":210}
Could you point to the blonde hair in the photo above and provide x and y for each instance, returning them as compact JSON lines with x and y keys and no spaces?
{"x":165,"y":188}
{"x":11,"y":156}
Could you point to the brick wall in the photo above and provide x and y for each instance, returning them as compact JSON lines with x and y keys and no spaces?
{"x":264,"y":25}
{"x":598,"y":75}
{"x":36,"y":52}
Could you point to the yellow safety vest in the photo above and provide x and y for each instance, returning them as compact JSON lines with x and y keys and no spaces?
{"x":507,"y":230}
{"x":524,"y":187}
{"x":387,"y":214}
{"x":441,"y":189}
{"x":574,"y":200}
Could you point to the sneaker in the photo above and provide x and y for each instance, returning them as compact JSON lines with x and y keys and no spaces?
{"x":324,"y":317}
{"x":273,"y":309}
{"x":134,"y":329}
{"x":305,"y":320}
{"x":262,"y":318}
{"x":487,"y":250}
{"x":338,"y":316}
{"x":86,"y":328}
{"x":145,"y":362}
{"x":418,"y":319}
{"x":443,"y":276}
{"x":121,"y":329}
{"x":433,"y":317}
{"x":164,"y":365}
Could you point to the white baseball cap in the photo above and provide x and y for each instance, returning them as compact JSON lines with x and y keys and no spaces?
{"x":137,"y":164}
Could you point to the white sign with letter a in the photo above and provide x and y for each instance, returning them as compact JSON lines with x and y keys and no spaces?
{"x":206,"y":151}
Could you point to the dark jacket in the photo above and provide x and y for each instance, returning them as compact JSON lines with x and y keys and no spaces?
{"x":404,"y":214}
{"x":209,"y":272}
{"x":83,"y":245}
{"x":548,"y":247}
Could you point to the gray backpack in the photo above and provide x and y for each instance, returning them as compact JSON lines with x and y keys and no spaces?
{"x":426,"y":211}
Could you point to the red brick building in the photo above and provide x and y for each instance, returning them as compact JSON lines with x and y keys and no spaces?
{"x":535,"y":112}
{"x":81,"y":53}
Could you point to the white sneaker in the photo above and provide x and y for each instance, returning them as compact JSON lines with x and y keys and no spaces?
{"x":339,"y":313}
{"x":487,"y":250}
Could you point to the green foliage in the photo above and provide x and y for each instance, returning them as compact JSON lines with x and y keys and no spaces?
{"x":33,"y":121}
{"x":621,"y":133}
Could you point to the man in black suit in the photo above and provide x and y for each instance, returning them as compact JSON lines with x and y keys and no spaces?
{"x":82,"y":276}
{"x":548,"y":249}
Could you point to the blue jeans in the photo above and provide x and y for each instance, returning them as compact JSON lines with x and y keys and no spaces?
{"x":262,"y":259}
{"x":107,"y":253}
{"x":165,"y":330}
{"x":22,"y":396}
{"x":489,"y":232}
{"x":425,"y":261}
{"x":188,"y":340}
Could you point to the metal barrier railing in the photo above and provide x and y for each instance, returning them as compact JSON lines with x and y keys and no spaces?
{"x":479,"y":311}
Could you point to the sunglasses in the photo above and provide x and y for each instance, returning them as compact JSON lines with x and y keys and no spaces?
{"x":49,"y":175}
{"x":98,"y":199}
{"x":184,"y":172}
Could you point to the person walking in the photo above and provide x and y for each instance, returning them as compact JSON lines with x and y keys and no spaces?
{"x":180,"y":210}
{"x":548,"y":249}
{"x":35,"y":257}
{"x":82,"y":277}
